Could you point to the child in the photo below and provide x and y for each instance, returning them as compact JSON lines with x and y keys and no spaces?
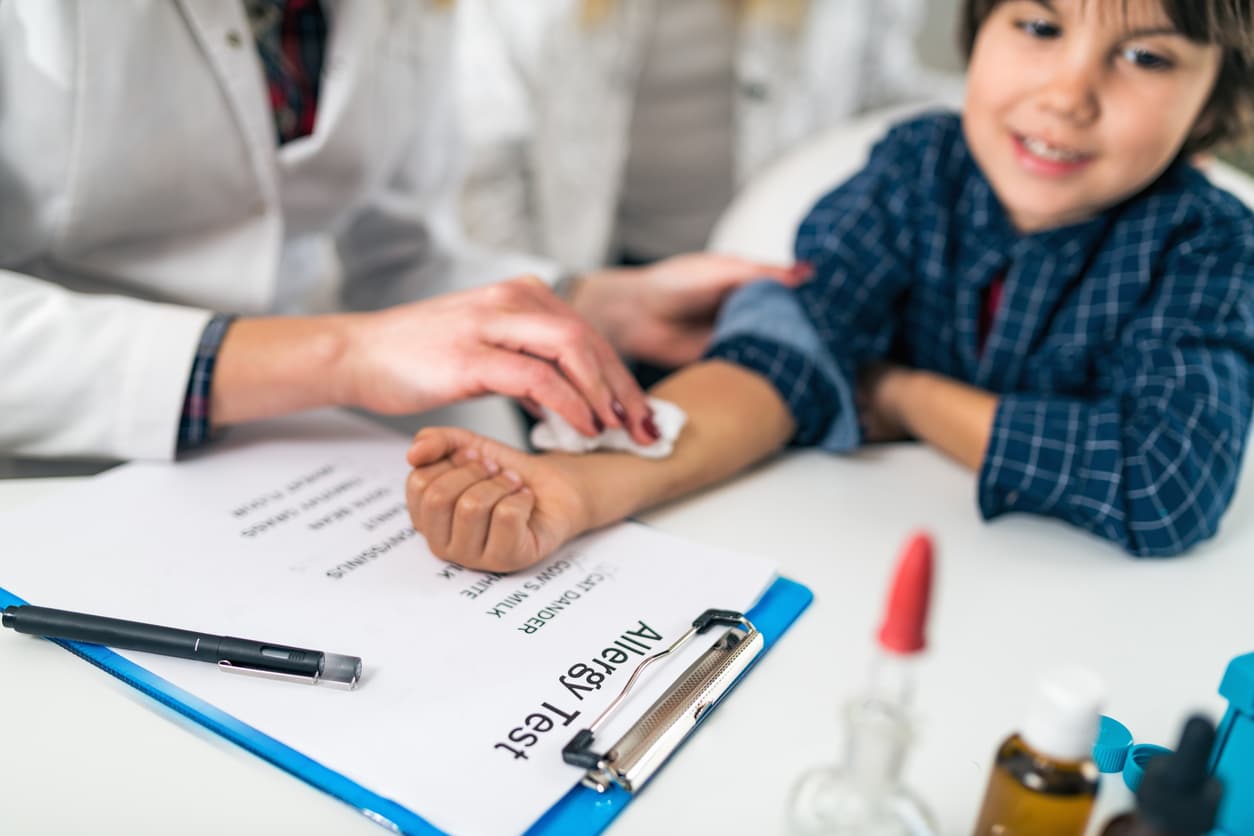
{"x":1044,"y":289}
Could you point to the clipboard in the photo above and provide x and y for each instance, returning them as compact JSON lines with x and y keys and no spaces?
{"x":583,"y":809}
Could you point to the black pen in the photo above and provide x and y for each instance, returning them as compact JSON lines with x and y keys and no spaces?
{"x":233,"y":655}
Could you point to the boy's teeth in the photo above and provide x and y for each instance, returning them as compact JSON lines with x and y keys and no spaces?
{"x":1049,"y":152}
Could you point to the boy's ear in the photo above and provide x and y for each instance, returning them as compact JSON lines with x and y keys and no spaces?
{"x":1205,"y":123}
{"x":1203,"y":127}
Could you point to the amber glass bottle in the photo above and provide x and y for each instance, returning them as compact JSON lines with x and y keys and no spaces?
{"x":1043,"y":779}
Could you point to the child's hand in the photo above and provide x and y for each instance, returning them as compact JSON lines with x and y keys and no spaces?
{"x":485,"y":505}
{"x":878,"y":398}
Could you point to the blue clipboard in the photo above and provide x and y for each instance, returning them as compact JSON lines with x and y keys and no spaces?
{"x":581,"y":811}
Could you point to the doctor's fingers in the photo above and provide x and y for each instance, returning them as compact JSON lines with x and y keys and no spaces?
{"x":518,"y":375}
{"x":526,"y":294}
{"x":629,"y":410}
{"x":584,"y":358}
{"x":741,"y":270}
{"x":532,"y":408}
{"x":532,"y":293}
{"x":684,"y":344}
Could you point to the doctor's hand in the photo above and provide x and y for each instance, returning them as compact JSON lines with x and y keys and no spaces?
{"x":486,"y":506}
{"x":514,"y":338}
{"x":664,"y":313}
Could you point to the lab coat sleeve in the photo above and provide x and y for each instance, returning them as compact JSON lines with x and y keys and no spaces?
{"x":81,"y":375}
{"x":91,"y":376}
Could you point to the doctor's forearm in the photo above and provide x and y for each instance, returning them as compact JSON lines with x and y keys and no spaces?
{"x":270,"y":366}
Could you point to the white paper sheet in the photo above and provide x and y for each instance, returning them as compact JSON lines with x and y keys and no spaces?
{"x":295,"y":532}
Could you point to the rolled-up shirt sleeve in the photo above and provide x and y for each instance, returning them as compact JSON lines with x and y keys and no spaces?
{"x":763,"y":329}
{"x":811,"y":342}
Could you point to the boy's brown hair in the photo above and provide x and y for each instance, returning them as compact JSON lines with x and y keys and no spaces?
{"x":1229,"y":115}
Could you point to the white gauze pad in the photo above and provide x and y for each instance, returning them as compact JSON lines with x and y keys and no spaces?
{"x":554,"y":433}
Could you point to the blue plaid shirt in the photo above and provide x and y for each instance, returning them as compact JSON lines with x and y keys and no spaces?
{"x":1121,"y":352}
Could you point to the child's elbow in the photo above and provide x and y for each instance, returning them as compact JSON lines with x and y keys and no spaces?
{"x":1174,"y":498}
{"x":1150,"y":532}
{"x":1138,"y":546}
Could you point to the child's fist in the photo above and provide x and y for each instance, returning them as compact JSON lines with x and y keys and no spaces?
{"x":487,"y":506}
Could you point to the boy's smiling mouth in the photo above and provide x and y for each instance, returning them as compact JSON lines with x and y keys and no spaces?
{"x":1043,"y":157}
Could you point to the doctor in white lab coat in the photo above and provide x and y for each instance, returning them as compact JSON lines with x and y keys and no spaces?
{"x":605,"y":129}
{"x":142,"y":189}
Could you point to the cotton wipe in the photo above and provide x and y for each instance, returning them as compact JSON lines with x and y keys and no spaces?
{"x":554,"y":433}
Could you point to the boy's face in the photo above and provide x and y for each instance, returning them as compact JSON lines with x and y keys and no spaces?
{"x":1074,"y":105}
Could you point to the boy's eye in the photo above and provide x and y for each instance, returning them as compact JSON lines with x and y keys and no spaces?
{"x":1145,"y":59}
{"x":1040,"y":28}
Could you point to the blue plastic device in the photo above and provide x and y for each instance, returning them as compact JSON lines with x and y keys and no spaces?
{"x":1111,"y":749}
{"x":1233,"y":758}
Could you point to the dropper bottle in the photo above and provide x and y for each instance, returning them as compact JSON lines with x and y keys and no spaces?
{"x":865,"y":795}
{"x":1177,"y":796}
{"x":1043,"y":780}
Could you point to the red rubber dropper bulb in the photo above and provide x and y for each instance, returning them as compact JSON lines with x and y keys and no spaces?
{"x":905,"y":619}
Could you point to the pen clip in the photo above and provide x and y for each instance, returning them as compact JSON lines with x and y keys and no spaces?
{"x":230,"y":667}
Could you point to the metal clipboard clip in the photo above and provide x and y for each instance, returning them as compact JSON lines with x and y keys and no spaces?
{"x":639,"y":753}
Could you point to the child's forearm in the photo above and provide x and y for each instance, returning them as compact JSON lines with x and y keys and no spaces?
{"x":735,"y":418}
{"x":954,"y":417}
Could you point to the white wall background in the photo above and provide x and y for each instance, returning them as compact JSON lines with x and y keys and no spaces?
{"x":938,"y":44}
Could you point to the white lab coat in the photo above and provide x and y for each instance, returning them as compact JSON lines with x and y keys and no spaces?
{"x":141,"y":188}
{"x":547,"y":101}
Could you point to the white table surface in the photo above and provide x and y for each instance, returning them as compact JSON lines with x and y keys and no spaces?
{"x":80,"y":752}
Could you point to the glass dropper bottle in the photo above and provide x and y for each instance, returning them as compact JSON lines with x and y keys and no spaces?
{"x":865,"y":795}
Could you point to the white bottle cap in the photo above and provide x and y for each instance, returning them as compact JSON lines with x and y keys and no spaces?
{"x":1063,"y":720}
